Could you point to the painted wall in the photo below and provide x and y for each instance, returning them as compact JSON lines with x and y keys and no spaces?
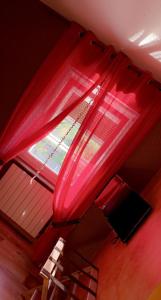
{"x":145,"y":161}
{"x":29,"y":30}
{"x":130,"y":272}
{"x":130,"y":25}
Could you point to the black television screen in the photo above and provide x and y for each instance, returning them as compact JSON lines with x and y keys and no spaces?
{"x":128,"y":214}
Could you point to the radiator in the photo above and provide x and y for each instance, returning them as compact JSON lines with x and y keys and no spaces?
{"x":28,"y":205}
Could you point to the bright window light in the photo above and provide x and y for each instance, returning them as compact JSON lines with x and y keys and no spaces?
{"x":156,"y":55}
{"x":149,"y":39}
{"x":46,"y":146}
{"x":136,"y":36}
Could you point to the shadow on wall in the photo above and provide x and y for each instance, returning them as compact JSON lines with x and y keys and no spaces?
{"x":144,"y":162}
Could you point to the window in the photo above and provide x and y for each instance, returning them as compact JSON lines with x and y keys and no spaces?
{"x":38,"y":154}
{"x":45,"y":147}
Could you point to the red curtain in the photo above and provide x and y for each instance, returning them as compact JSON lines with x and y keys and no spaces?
{"x":127,"y":106}
{"x":62,"y":82}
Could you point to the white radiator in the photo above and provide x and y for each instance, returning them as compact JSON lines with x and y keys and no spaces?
{"x":28,"y":205}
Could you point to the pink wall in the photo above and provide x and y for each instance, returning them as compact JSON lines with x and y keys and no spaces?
{"x":130,"y":25}
{"x":29,"y":31}
{"x":130,"y":272}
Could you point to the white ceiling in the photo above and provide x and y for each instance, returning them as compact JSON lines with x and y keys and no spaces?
{"x":134,"y":26}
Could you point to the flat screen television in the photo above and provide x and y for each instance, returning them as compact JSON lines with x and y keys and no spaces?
{"x":126,"y":217}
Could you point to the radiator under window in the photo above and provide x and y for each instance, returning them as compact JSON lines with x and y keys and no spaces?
{"x":28,"y":205}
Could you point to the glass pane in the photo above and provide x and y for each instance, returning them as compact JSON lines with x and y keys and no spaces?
{"x":63,"y":128}
{"x":91,"y":149}
{"x":56,"y":161}
{"x":46,"y":146}
{"x":43,"y":149}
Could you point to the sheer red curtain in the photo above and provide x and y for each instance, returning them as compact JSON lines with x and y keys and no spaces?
{"x":126,"y":108}
{"x":61,"y":83}
{"x":126,"y":104}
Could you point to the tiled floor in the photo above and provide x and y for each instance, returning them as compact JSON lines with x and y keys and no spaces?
{"x":14,"y":263}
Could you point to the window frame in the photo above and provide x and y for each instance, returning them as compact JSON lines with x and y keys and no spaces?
{"x":36,"y":165}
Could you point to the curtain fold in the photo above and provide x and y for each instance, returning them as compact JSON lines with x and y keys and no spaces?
{"x":34,"y":137}
{"x":127,"y":106}
{"x":60,"y":84}
{"x":124,"y":114}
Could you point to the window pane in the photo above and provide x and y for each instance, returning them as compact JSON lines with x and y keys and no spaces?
{"x":43,"y":149}
{"x":91,"y":149}
{"x":46,"y":146}
{"x":63,"y":128}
